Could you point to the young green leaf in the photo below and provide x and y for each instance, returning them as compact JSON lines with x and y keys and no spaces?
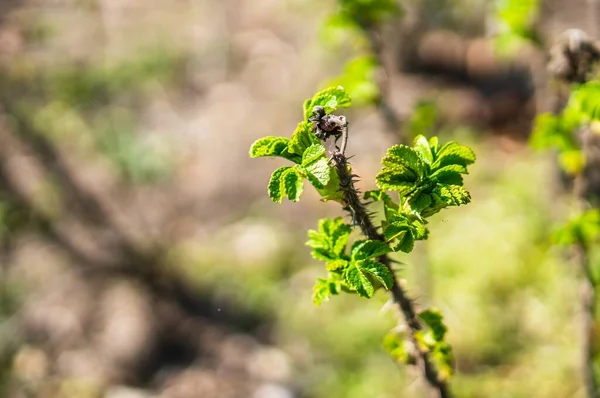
{"x":432,"y":340}
{"x":378,"y":270}
{"x":398,"y":347}
{"x":302,"y":138}
{"x":319,"y":173}
{"x":273,"y":146}
{"x":402,"y":181}
{"x":585,"y":99}
{"x":329,"y":242}
{"x":377,"y":195}
{"x":423,"y":149}
{"x":453,"y":154}
{"x":331,"y":98}
{"x":292,"y":184}
{"x":274,"y":188}
{"x":331,"y":190}
{"x":402,"y":169}
{"x":400,"y":232}
{"x":312,"y":154}
{"x":358,"y":281}
{"x":434,"y":320}
{"x":364,"y":249}
{"x":337,"y":265}
{"x":389,"y":206}
{"x":324,"y":289}
{"x":452,"y":195}
{"x":420,"y":201}
{"x":404,"y":158}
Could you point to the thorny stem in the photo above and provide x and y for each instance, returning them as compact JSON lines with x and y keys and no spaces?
{"x":588,"y":302}
{"x":581,"y":54}
{"x":588,"y":288}
{"x":362,"y":218}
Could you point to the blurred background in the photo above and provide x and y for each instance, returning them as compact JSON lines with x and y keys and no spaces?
{"x":140,"y":256}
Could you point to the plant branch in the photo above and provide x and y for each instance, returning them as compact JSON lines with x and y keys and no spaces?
{"x":362,"y":218}
{"x":588,"y":302}
{"x":585,"y":190}
{"x":390,"y":116}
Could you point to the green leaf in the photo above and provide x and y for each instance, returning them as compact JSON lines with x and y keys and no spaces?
{"x":443,"y":359}
{"x":337,"y":265}
{"x":389,"y":206}
{"x":378,"y":270}
{"x":339,"y":239}
{"x":332,"y":191}
{"x":585,"y":101}
{"x":404,"y":232}
{"x":404,"y":158}
{"x":302,"y":138}
{"x":452,"y":195}
{"x":432,"y":340}
{"x":274,"y":188}
{"x":404,"y":182}
{"x":455,"y":168}
{"x":319,"y":173}
{"x":398,"y":347}
{"x":420,"y":202}
{"x":434,"y":145}
{"x":331,"y":98}
{"x":406,"y":241}
{"x":364,"y":249}
{"x":423,"y":149}
{"x":272,"y":146}
{"x":433,"y":319}
{"x":377,"y":195}
{"x":329,"y":242}
{"x":324,"y":289}
{"x":312,"y":154}
{"x":358,"y":281}
{"x":292,"y":184}
{"x":453,"y":154}
{"x":402,"y":169}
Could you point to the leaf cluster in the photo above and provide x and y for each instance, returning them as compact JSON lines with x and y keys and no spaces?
{"x":559,"y":131}
{"x":431,"y":340}
{"x":306,"y":151}
{"x":428,"y":176}
{"x":356,"y":270}
{"x":583,"y":228}
{"x":424,"y":179}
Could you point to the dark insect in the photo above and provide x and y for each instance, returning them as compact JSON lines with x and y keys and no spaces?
{"x":326,"y":126}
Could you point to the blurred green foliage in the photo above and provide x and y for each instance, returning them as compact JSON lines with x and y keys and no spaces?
{"x":358,"y":21}
{"x":96,"y":107}
{"x":516,"y":20}
{"x":363,"y":14}
{"x":358,"y":78}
